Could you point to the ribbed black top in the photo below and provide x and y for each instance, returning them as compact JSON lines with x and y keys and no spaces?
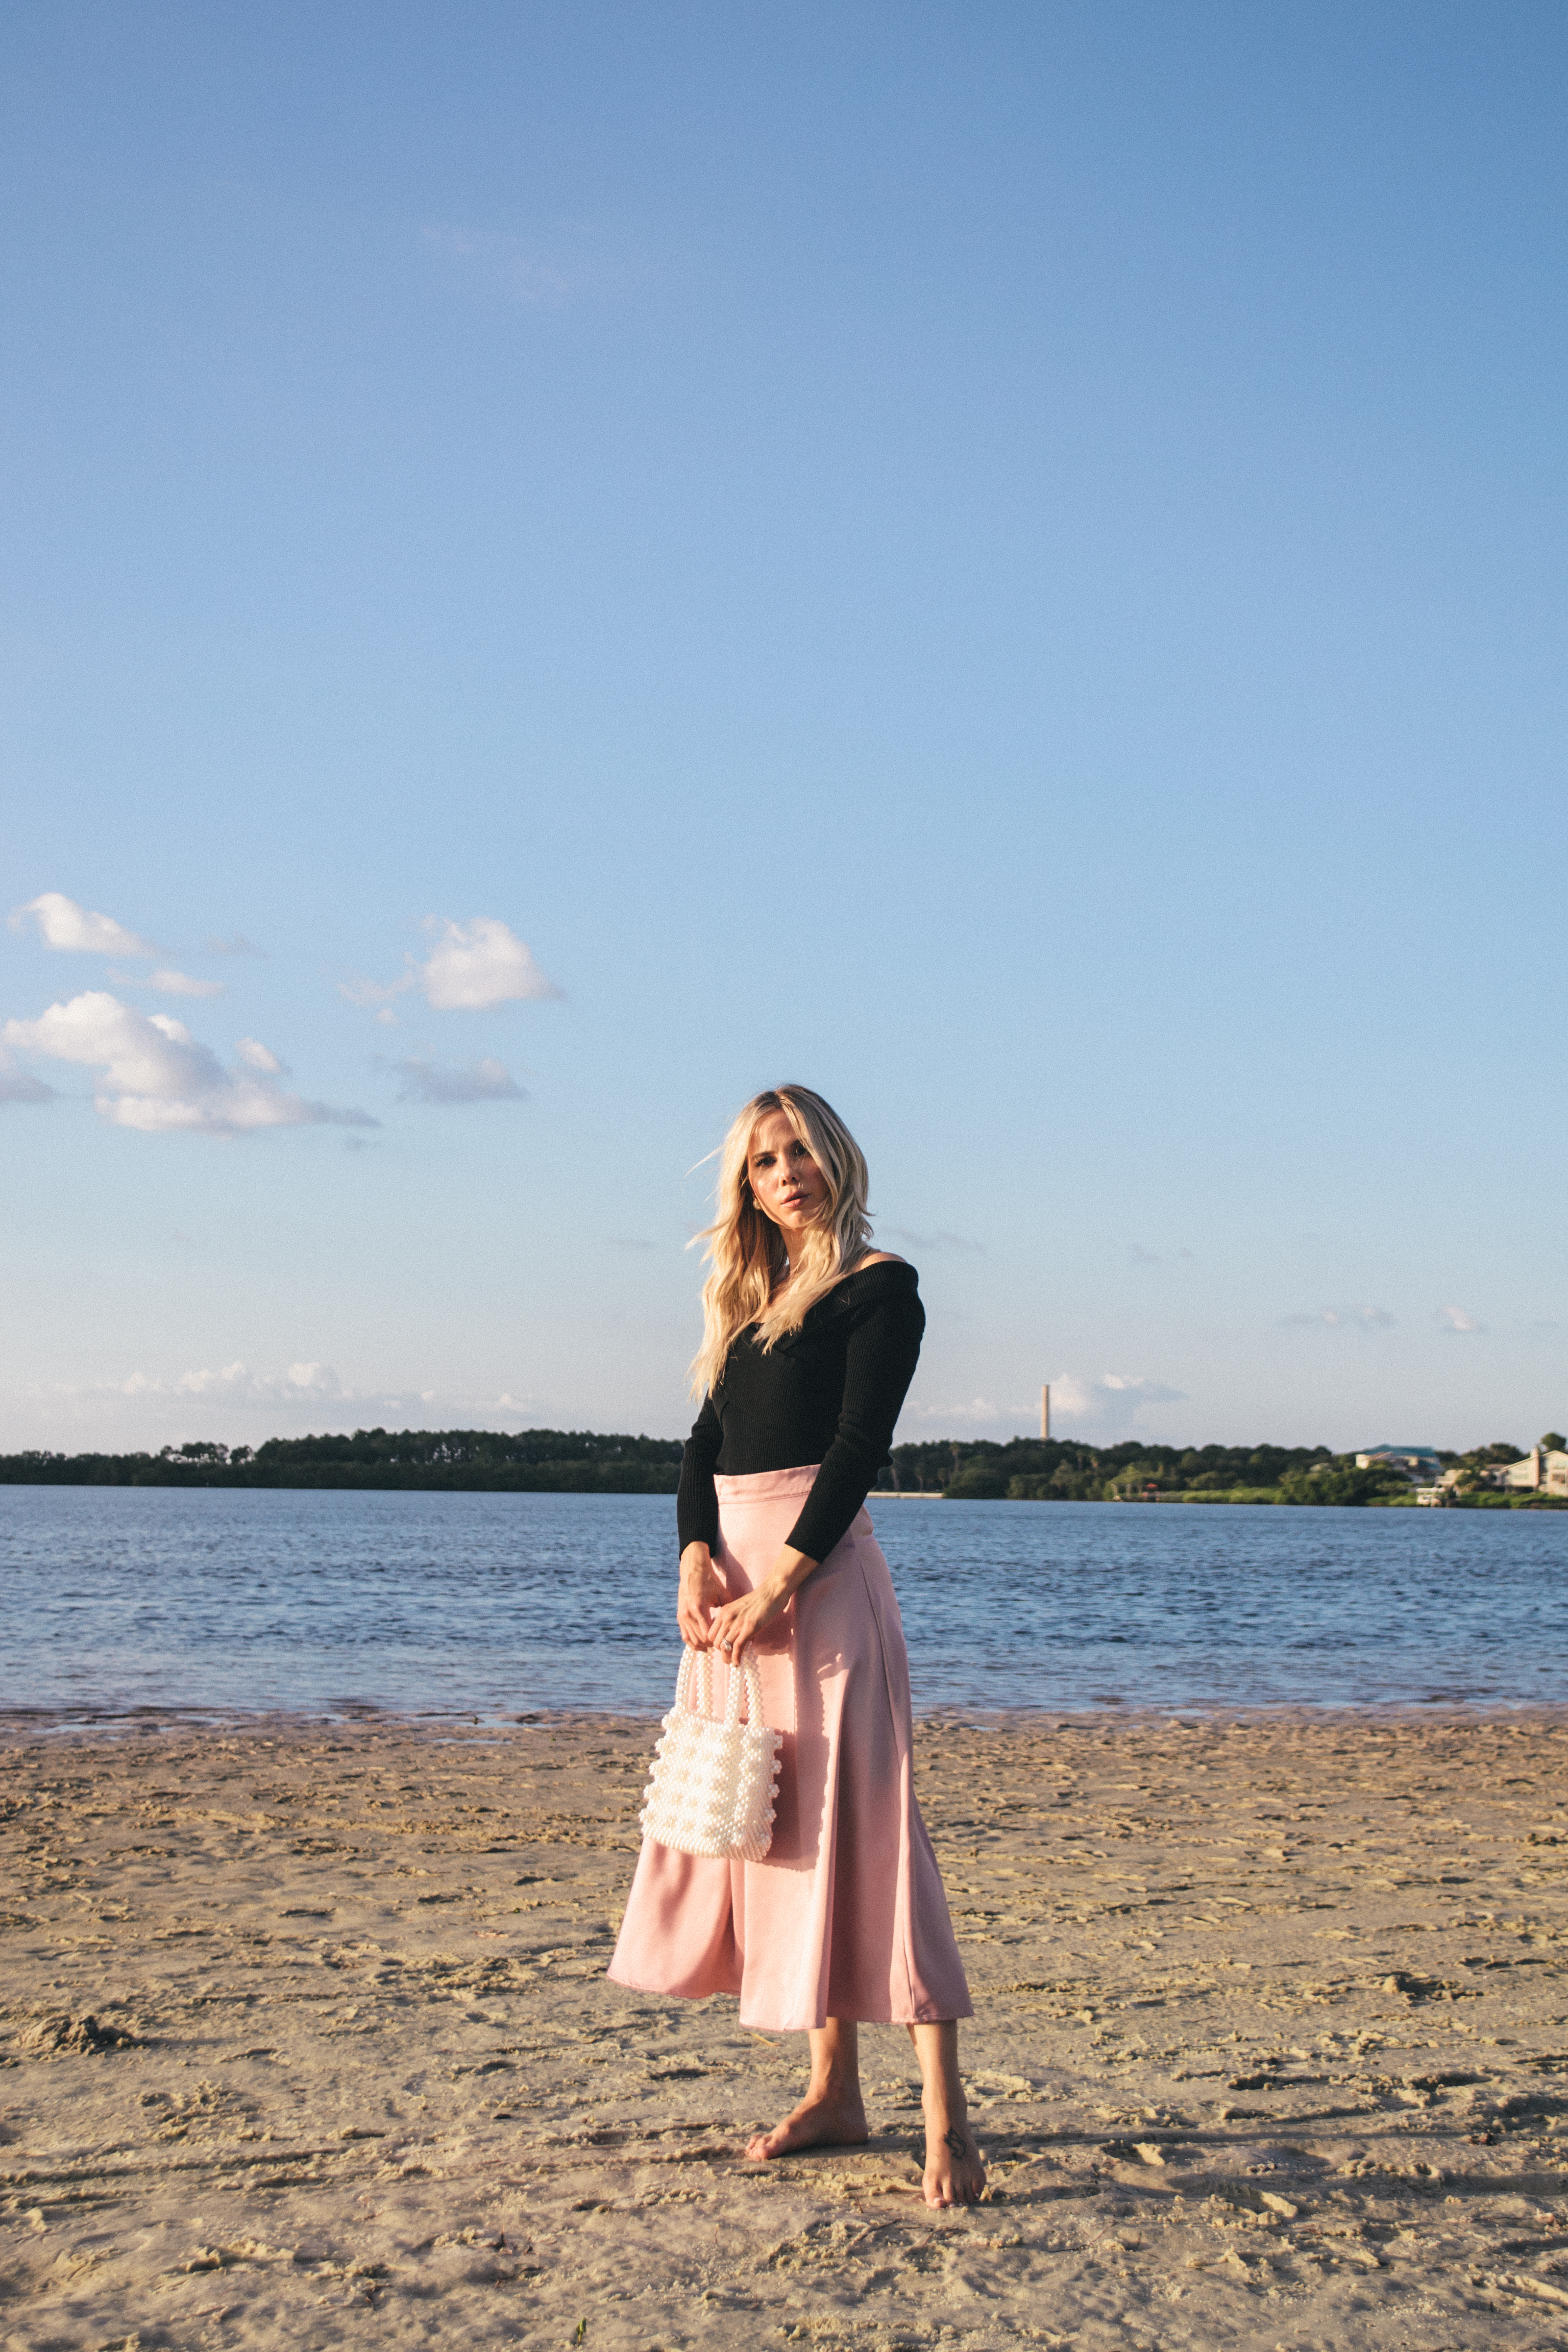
{"x":829,"y":1393}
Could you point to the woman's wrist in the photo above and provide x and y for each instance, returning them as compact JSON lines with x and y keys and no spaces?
{"x":790,"y":1573}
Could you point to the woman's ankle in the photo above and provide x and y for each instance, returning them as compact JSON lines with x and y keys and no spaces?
{"x":834,"y":2089}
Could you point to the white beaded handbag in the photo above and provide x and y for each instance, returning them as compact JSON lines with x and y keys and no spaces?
{"x":713,"y":1784}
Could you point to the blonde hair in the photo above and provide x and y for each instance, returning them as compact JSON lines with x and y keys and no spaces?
{"x":745,"y":1248}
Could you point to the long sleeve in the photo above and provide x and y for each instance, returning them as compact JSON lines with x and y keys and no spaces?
{"x":883,"y":1350}
{"x":696,"y":1500}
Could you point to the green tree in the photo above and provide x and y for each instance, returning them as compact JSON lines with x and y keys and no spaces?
{"x":1340,"y":1482}
{"x":977,"y":1482}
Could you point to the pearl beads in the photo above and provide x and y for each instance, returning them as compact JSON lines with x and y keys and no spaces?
{"x":712,"y":1785}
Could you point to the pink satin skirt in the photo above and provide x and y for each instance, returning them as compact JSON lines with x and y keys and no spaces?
{"x":846,"y":1917}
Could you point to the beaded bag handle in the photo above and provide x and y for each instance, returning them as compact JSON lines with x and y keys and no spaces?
{"x":746,"y":1673}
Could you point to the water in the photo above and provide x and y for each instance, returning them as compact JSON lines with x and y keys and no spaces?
{"x":499,"y":1605}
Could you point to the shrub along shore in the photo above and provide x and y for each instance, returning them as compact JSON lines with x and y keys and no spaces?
{"x":584,"y":1462}
{"x":1036,"y":1470}
{"x":479,"y":1461}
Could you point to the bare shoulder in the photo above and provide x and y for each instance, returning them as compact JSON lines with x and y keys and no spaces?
{"x":873,"y":1257}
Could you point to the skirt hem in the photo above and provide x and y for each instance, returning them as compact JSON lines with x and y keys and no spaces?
{"x":924,"y":2016}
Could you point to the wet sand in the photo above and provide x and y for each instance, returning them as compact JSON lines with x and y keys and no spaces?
{"x":307,"y":2041}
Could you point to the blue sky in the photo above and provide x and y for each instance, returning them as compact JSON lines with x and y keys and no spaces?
{"x":1006,"y":562}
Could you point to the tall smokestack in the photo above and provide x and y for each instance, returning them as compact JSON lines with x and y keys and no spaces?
{"x":1046,"y":1410}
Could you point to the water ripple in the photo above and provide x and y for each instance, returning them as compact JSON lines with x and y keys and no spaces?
{"x":117,"y":1598}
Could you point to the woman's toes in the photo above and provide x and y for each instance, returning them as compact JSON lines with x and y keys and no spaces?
{"x":817,"y":2122}
{"x":954,"y":2168}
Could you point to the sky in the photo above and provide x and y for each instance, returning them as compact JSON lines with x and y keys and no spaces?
{"x":568,"y":562}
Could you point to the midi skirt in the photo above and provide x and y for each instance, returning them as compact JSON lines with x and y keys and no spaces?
{"x":846,"y":1916}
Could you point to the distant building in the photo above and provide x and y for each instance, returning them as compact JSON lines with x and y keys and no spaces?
{"x":1420,"y":1463}
{"x":1541,"y":1472}
{"x":1545,"y":1474}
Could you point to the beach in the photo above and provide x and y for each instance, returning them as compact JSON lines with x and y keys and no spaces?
{"x":308,"y":2040}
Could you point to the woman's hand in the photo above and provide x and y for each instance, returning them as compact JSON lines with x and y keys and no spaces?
{"x":701,"y":1592}
{"x":740,"y":1621}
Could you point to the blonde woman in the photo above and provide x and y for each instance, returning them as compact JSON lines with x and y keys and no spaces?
{"x":810,"y":1339}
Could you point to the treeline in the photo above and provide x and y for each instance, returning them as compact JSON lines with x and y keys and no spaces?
{"x":483,"y":1461}
{"x":582,"y":1461}
{"x":1042,"y":1470}
{"x":1036,"y":1470}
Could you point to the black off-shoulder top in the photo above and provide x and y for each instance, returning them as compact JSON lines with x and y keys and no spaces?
{"x":830,"y":1394}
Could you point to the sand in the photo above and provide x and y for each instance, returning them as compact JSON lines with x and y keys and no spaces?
{"x":307,"y":2041}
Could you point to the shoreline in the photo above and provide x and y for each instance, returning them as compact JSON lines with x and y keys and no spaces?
{"x":21,"y":1722}
{"x":304,"y":2019}
{"x":1257,"y":1499}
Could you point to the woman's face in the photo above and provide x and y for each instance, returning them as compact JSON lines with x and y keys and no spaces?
{"x":789,"y":1186}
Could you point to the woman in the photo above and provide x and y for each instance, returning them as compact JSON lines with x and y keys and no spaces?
{"x":810,"y":1342}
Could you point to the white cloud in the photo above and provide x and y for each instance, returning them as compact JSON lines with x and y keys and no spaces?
{"x":17,"y":1086}
{"x":302,"y":1385}
{"x":157,"y":1078}
{"x":299,"y":1380}
{"x":365,"y":992}
{"x":978,"y":1409}
{"x":1108,"y":1403}
{"x":437,"y":1082}
{"x":168,"y":982}
{"x":1111,"y":1402}
{"x":476,"y":965}
{"x":65,"y":924}
{"x":1096,"y":1405}
{"x":180,"y":984}
{"x":1459,"y":1319}
{"x":1342,"y":1318}
{"x":471,"y":967}
{"x":260,"y":1057}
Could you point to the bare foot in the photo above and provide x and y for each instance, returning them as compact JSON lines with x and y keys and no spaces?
{"x":954,"y":2168}
{"x":830,"y":2118}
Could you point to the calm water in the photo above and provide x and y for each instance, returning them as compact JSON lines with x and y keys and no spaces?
{"x":498,"y":1605}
